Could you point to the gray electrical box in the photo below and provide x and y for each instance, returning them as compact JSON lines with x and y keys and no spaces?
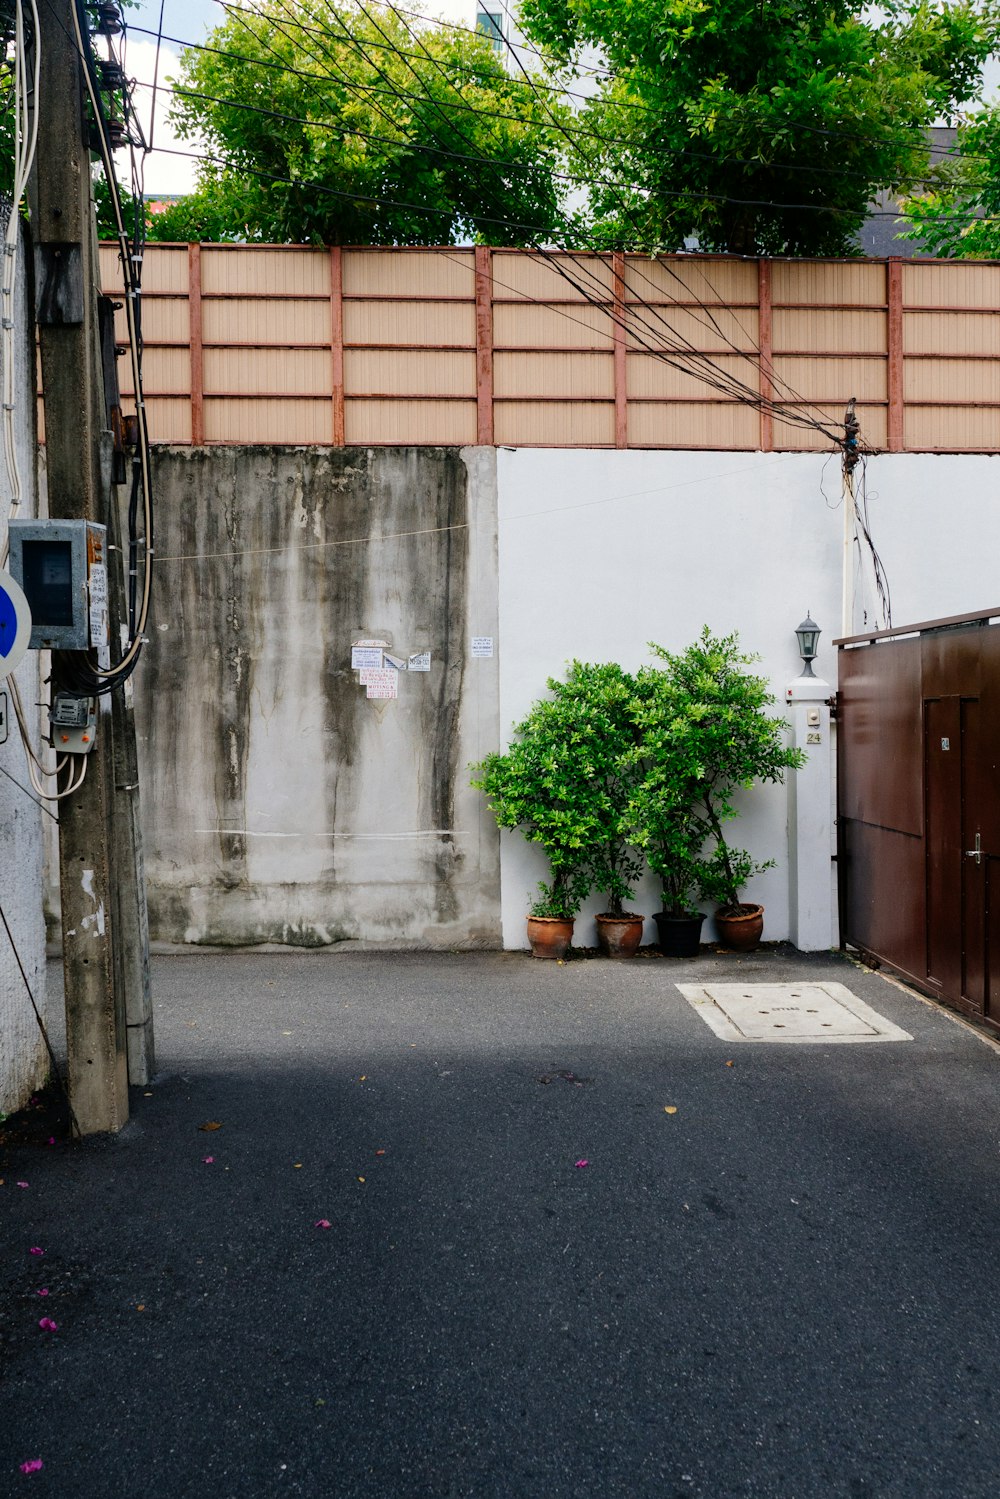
{"x":61,"y":566}
{"x":74,"y":724}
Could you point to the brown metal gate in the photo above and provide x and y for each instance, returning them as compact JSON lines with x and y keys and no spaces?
{"x":919,"y":805}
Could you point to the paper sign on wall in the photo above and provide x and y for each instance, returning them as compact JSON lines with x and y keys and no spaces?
{"x":482,"y":647}
{"x":99,"y":630}
{"x":365,"y":655}
{"x":383,"y":683}
{"x":421,"y":661}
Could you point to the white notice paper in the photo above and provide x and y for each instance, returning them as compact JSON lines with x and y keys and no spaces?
{"x":395,"y":662}
{"x":98,"y":583}
{"x":482,"y":646}
{"x":365,"y":655}
{"x":421,"y":661}
{"x":382,"y":683}
{"x":99,"y":626}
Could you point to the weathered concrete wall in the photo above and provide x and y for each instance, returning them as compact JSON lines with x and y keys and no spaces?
{"x":280,"y":803}
{"x":23,"y":1058}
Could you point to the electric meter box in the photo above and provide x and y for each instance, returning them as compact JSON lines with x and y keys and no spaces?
{"x":61,"y":566}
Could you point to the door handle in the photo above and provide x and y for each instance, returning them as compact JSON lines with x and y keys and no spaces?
{"x":975,"y":853}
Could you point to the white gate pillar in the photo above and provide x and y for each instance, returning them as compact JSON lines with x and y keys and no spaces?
{"x":810,"y":809}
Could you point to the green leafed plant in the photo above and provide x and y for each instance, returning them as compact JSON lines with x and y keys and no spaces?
{"x":661,"y":805}
{"x":565,"y":782}
{"x":706,"y":734}
{"x":759,"y":128}
{"x":325,"y":123}
{"x":958,"y":214}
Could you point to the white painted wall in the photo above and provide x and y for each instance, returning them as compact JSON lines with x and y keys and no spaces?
{"x":936,"y":523}
{"x":23,"y":1060}
{"x":601,"y":552}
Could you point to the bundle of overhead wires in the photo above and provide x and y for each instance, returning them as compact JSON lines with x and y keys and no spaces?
{"x":641,"y":315}
{"x":81,"y":674}
{"x":637,"y":301}
{"x":77,"y":673}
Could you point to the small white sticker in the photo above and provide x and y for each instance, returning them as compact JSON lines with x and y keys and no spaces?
{"x":421,"y":661}
{"x":365,"y":655}
{"x":99,"y":627}
{"x":396,"y":662}
{"x":482,"y":647}
{"x":98,"y":583}
{"x":382,"y":683}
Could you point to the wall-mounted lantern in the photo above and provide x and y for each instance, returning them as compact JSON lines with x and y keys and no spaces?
{"x":807,"y":634}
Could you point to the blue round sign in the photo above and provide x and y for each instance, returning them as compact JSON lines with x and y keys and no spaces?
{"x":15,"y":624}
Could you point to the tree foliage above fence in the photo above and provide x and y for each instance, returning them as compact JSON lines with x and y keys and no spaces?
{"x":761,"y":128}
{"x":960,"y":214}
{"x":323,"y":124}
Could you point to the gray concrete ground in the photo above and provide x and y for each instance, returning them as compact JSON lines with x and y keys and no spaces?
{"x":785,"y":1289}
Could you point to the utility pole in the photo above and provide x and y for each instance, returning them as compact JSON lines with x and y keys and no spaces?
{"x":99,"y":863}
{"x":852,"y":428}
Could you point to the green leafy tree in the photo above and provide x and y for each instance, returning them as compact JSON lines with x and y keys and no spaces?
{"x":960,"y":214}
{"x":762,"y":128}
{"x":661,"y":813}
{"x":706,"y":735}
{"x":339,"y":125}
{"x":565,"y":782}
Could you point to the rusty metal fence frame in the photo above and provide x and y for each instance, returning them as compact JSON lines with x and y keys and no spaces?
{"x":297,"y":344}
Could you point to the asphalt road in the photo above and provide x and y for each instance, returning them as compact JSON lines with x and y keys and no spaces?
{"x":785,"y":1289}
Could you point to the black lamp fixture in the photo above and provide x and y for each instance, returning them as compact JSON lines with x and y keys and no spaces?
{"x":807,"y":634}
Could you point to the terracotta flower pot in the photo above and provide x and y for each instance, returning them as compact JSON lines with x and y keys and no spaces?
{"x":550,"y":936}
{"x":679,"y":936}
{"x":619,"y":936}
{"x":740,"y":927}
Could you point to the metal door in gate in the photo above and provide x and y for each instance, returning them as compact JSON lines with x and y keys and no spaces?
{"x":919,"y":805}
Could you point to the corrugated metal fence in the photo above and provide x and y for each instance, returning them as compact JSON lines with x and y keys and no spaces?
{"x":276,"y":344}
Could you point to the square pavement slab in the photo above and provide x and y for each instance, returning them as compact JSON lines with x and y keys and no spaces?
{"x":789,"y":1013}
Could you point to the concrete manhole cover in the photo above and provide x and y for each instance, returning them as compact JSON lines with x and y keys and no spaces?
{"x":788,"y":1012}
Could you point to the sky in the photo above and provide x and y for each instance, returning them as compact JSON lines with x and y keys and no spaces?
{"x":189,"y":20}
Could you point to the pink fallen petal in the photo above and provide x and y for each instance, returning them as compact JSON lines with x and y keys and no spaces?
{"x":44,"y":1291}
{"x":322,"y":1223}
{"x":36,"y":1250}
{"x":209,"y":1160}
{"x":32,"y":1465}
{"x":52,"y":1139}
{"x":47,"y":1324}
{"x":581,"y":1163}
{"x":20,"y":1184}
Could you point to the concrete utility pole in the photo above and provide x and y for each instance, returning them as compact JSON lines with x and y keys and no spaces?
{"x":101,"y":917}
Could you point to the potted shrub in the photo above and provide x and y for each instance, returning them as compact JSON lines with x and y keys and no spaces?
{"x":661,"y":813}
{"x":722,"y":739}
{"x":599,"y":702}
{"x":542,"y":784}
{"x":672,"y":853}
{"x":564,"y":781}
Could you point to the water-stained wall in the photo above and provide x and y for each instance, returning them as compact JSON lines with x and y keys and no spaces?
{"x":281,"y":803}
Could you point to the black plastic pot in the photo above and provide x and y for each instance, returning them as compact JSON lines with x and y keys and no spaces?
{"x":680,"y":936}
